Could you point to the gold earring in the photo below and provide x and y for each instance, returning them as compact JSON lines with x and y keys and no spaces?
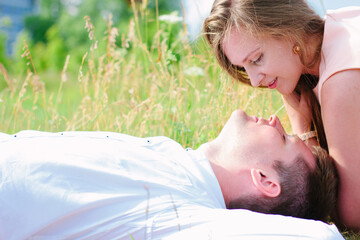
{"x":296,"y":49}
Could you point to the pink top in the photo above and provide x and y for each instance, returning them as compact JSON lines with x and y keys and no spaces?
{"x":341,"y":43}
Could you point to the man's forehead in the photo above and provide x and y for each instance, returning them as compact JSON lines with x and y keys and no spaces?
{"x":305,"y":150}
{"x":301,"y":148}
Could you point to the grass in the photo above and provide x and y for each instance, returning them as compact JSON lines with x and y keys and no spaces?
{"x":137,"y":89}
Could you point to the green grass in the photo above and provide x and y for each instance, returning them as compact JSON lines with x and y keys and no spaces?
{"x":141,"y":90}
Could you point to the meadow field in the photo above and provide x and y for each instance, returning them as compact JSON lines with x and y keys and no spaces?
{"x":175,"y":89}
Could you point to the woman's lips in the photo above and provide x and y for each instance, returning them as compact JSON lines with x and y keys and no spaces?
{"x":273,"y":84}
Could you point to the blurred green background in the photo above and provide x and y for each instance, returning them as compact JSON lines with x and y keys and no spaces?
{"x":52,"y":29}
{"x":122,"y":66}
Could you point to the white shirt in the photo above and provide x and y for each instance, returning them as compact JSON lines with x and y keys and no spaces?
{"x":98,"y":184}
{"x":220,"y":224}
{"x":102,"y":185}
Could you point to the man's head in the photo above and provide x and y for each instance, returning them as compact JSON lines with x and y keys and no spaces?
{"x":261,"y":168}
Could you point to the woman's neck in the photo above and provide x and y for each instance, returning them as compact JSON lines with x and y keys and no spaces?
{"x":312,"y":50}
{"x":314,"y":70}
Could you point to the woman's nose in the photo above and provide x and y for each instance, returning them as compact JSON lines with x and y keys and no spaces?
{"x":256,"y":79}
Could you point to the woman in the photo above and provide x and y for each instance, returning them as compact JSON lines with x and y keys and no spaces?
{"x":313,"y":62}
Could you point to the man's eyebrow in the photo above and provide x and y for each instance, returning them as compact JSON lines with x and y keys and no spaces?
{"x":245,"y":59}
{"x":295,"y":136}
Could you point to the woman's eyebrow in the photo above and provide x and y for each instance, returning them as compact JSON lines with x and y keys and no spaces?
{"x":245,"y":59}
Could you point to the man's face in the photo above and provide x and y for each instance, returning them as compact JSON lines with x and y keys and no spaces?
{"x":252,"y":140}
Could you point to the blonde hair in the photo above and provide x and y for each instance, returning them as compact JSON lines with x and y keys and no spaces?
{"x":291,"y":20}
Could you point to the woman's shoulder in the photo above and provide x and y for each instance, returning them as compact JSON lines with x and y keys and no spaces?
{"x":341,"y":38}
{"x":340,"y":49}
{"x":343,"y":13}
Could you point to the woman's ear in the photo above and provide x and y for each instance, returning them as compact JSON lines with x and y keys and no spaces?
{"x":266,"y":183}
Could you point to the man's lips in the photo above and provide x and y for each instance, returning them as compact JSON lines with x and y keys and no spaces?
{"x":273,"y":84}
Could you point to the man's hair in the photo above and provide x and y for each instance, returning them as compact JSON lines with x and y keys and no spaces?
{"x":305,"y":193}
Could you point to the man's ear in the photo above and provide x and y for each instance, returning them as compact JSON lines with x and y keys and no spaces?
{"x":266,"y":183}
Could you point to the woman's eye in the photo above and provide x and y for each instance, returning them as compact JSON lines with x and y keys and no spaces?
{"x":284,"y":137}
{"x":258,"y":59}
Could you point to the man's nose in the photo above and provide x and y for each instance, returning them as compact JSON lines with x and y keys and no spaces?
{"x":275,"y":122}
{"x":263,"y":121}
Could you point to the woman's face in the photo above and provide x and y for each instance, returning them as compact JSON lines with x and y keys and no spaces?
{"x":268,"y":61}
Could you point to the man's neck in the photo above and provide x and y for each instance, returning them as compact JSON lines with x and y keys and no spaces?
{"x":210,"y":151}
{"x":222,"y":175}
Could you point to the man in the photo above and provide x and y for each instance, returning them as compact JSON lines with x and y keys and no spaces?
{"x":101,"y":185}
